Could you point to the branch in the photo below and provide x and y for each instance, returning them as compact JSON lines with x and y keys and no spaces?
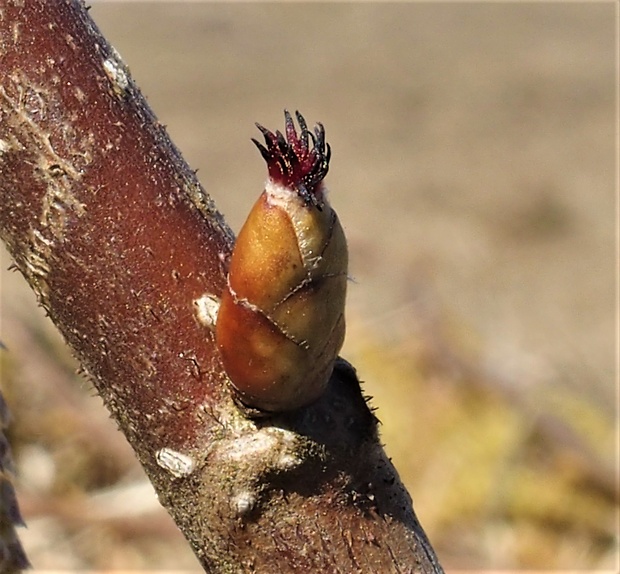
{"x":123,"y":248}
{"x":12,"y":556}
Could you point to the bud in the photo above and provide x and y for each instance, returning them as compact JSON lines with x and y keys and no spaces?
{"x":281,"y":323}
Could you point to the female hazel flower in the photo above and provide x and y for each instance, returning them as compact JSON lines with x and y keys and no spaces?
{"x":281,"y":320}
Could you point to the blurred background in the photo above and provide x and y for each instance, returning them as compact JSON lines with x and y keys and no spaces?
{"x":474,"y":170}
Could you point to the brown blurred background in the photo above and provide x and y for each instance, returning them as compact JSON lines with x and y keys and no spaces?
{"x":474,"y":170}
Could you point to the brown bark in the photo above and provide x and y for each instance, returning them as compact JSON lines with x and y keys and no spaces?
{"x":115,"y":235}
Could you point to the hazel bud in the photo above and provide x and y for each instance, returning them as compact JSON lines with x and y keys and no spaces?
{"x":281,"y":320}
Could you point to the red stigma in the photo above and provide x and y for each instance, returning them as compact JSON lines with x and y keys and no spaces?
{"x":291,"y":161}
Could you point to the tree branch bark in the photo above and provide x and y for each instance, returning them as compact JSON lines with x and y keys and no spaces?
{"x":123,"y":248}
